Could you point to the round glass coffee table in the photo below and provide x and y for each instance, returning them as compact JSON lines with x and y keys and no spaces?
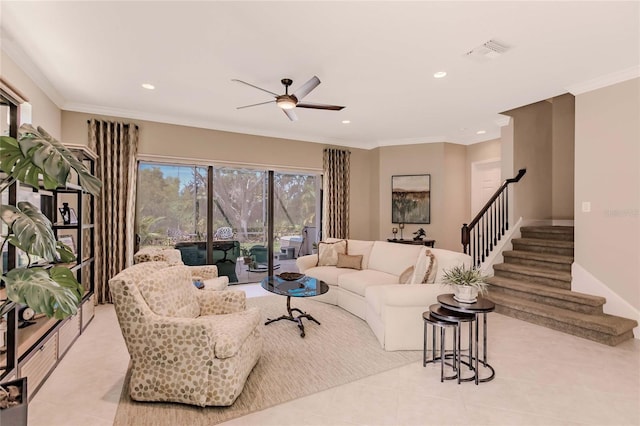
{"x":302,"y":287}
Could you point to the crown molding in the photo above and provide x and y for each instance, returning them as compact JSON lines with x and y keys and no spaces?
{"x":24,"y":62}
{"x":604,"y":81}
{"x":204,"y":124}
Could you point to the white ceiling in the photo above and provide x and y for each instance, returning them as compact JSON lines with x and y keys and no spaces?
{"x":377,"y":58}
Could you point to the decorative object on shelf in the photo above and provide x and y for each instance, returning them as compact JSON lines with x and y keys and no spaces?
{"x":290,"y":276}
{"x":394,"y":231}
{"x":65,"y":212}
{"x":401,"y":226}
{"x":411,"y":199}
{"x":67,"y":240}
{"x":53,"y":291}
{"x":419,"y":234}
{"x":467,"y":282}
{"x":73,"y":217}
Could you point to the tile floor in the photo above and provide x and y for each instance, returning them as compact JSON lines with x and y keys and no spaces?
{"x":543,"y":377}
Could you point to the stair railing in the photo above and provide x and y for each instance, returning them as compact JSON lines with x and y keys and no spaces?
{"x":485,"y":230}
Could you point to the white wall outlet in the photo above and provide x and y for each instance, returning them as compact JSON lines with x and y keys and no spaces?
{"x":586,"y":206}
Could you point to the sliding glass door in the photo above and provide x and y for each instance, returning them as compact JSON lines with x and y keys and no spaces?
{"x":219,"y":215}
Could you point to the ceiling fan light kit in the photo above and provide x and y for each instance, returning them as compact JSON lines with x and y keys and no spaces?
{"x":288,"y":102}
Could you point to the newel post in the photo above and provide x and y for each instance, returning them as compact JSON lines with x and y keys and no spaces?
{"x":465,"y":238}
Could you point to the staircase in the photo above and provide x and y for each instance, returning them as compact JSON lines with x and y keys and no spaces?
{"x":534,"y":284}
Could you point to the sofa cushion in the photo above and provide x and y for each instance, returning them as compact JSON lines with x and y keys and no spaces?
{"x":328,"y":274}
{"x":355,"y":247}
{"x":393,"y":258}
{"x":358,"y":282}
{"x":170,"y":292}
{"x":328,"y":252}
{"x":447,"y":259}
{"x":349,"y":261}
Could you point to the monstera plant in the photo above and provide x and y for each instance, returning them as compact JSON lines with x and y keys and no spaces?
{"x":39,"y":160}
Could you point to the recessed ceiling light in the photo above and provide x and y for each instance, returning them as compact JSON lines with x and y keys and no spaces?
{"x":346,"y":121}
{"x":440,"y":74}
{"x":481,"y":132}
{"x":148,"y":86}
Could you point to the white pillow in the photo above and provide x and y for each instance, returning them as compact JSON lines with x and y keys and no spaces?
{"x":328,"y":252}
{"x":425,"y":268}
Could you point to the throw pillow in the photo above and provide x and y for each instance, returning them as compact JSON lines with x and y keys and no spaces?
{"x":350,"y":261}
{"x":430,"y":274}
{"x":405,"y":277}
{"x":328,"y":252}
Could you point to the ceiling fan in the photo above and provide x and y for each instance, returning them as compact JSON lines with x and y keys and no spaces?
{"x":288,"y":102}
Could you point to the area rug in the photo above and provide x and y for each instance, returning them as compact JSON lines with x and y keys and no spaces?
{"x":340,"y":350}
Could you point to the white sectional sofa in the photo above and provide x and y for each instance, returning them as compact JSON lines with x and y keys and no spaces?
{"x":374,"y":293}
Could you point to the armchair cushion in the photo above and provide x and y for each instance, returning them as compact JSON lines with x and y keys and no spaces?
{"x":169,"y":292}
{"x":221,"y":302}
{"x":230,"y":331}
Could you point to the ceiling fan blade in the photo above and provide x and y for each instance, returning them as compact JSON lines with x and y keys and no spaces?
{"x":292,"y":115}
{"x":319,"y":106}
{"x":252,"y":105}
{"x":307,"y":87}
{"x":255,"y":87}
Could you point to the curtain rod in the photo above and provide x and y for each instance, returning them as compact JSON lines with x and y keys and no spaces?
{"x":89,"y":121}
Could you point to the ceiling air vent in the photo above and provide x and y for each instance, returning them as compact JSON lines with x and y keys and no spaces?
{"x":489,"y":50}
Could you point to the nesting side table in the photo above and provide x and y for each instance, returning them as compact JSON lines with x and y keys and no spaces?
{"x":481,"y":306}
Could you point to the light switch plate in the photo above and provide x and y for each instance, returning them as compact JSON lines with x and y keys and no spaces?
{"x":586,"y":206}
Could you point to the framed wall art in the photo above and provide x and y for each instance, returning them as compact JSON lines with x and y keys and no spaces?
{"x":411,"y":199}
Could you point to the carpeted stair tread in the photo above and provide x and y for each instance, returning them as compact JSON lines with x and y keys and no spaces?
{"x":534,"y":272}
{"x":542,"y":257}
{"x":561,"y":233}
{"x":547,"y":291}
{"x":550,"y":229}
{"x":604,"y":323}
{"x":544,"y":242}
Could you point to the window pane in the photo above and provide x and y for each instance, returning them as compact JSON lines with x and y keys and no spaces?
{"x":171,"y":204}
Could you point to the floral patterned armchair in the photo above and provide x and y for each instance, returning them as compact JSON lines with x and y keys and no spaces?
{"x":186,"y":345}
{"x":171,"y":256}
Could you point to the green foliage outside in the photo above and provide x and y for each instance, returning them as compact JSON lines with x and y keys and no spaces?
{"x":172,"y":209}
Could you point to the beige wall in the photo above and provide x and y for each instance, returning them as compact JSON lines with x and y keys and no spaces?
{"x":532,"y":150}
{"x":446,"y":164}
{"x":607,"y":174}
{"x":454,"y":211}
{"x":204,"y":146}
{"x":44,"y":113}
{"x":562,"y":155}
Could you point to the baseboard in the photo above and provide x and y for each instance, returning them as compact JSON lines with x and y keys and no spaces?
{"x":582,"y":281}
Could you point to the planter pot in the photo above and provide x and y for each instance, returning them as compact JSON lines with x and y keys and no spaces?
{"x":465,"y":293}
{"x":16,"y":415}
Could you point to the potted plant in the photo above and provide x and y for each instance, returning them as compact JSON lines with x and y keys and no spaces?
{"x":39,"y":160}
{"x":246,"y":254}
{"x":467,"y":282}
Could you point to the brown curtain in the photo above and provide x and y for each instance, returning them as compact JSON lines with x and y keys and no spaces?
{"x":116,"y":145}
{"x":335,"y":201}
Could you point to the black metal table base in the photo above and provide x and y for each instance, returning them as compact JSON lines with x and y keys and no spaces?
{"x":290,"y":317}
